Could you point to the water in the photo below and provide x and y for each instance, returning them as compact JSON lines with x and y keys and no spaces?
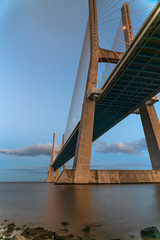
{"x":112,"y":211}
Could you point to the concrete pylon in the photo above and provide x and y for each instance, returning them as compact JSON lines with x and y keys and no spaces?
{"x":57,"y":173}
{"x":150,"y":122}
{"x":64,"y":166}
{"x":151,"y":128}
{"x":84,"y":142}
{"x":127,"y":24}
{"x":51,"y":177}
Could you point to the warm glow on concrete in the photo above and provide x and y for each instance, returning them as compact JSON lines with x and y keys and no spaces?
{"x":124,"y":27}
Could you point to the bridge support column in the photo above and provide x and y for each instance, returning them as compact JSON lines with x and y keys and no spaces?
{"x":51,"y":177}
{"x":82,"y":158}
{"x":57,"y":173}
{"x":151,"y":126}
{"x":51,"y":172}
{"x":84,"y":144}
{"x":147,"y":112}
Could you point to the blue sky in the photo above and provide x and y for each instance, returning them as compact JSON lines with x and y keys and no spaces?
{"x":40,"y":46}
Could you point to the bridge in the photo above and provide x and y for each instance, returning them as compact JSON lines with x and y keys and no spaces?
{"x":131,"y":87}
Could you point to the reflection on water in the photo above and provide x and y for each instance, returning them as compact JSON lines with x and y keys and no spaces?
{"x":113,"y":211}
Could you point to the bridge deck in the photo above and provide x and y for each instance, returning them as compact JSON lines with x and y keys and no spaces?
{"x":135,"y":79}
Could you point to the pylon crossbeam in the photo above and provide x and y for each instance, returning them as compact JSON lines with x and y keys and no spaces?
{"x":109,"y":56}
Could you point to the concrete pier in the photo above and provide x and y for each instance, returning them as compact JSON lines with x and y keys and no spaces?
{"x":57,"y":173}
{"x":113,"y":177}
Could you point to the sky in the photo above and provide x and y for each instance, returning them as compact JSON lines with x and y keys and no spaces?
{"x":40,"y":47}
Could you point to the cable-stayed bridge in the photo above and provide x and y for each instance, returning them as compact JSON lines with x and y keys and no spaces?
{"x":129,"y":79}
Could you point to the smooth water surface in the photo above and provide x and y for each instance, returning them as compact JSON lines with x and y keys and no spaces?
{"x":112,"y":211}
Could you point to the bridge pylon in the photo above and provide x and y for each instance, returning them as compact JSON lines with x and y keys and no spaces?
{"x":54,"y":174}
{"x":82,"y":157}
{"x":149,"y":118}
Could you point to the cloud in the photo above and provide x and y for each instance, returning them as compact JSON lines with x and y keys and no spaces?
{"x":33,"y":150}
{"x":29,"y":169}
{"x":135,"y":147}
{"x":122,"y":165}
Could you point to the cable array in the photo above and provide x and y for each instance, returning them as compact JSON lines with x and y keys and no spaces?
{"x":79,"y":88}
{"x":110,"y":28}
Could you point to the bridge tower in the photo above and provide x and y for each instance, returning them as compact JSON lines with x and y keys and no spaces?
{"x":127,"y":24}
{"x":84,"y":142}
{"x":150,"y":122}
{"x":82,"y":157}
{"x":53,"y":175}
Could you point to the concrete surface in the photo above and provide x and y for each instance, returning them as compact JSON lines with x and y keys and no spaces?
{"x":113,"y":176}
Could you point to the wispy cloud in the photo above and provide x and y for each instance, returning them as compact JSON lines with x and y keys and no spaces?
{"x":29,"y":169}
{"x":33,"y":150}
{"x":122,"y":165}
{"x":135,"y":147}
